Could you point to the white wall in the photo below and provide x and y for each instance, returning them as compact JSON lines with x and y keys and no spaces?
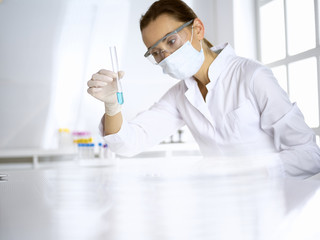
{"x":230,"y":21}
{"x":245,"y":28}
{"x":50,"y":49}
{"x":29,"y":32}
{"x":217,"y":16}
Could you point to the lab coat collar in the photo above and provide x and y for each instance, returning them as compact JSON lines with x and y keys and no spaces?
{"x":225,"y":51}
{"x":194,"y":96}
{"x":190,"y":82}
{"x":217,"y":66}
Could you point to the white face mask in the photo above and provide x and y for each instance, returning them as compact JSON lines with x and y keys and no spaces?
{"x":183,"y":63}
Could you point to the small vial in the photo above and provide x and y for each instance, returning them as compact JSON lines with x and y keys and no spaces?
{"x":107,"y":152}
{"x":101,"y":156}
{"x":91,"y":150}
{"x":65,"y":138}
{"x":85,"y":150}
{"x":80,"y":151}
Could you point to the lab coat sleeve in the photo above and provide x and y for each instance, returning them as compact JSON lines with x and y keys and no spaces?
{"x":283,"y":120}
{"x":147,"y":129}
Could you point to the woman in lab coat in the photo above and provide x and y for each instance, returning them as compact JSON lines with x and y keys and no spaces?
{"x":232,"y":105}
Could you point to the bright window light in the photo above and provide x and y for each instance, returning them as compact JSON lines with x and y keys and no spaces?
{"x":301,"y":26}
{"x":303,"y":88}
{"x":272,"y":31}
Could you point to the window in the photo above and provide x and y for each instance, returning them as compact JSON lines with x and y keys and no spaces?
{"x":289,"y":43}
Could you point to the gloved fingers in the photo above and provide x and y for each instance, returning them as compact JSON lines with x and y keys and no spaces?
{"x":92,"y":90}
{"x":95,"y":83}
{"x":103,"y":77}
{"x":121,"y":74}
{"x":108,"y":73}
{"x":111,"y":74}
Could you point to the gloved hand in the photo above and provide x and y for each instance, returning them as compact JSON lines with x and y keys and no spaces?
{"x":103,"y":86}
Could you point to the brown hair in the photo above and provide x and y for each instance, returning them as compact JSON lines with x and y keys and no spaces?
{"x":178,"y":9}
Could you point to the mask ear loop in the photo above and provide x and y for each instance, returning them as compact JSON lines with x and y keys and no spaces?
{"x":192,"y":37}
{"x":191,"y":33}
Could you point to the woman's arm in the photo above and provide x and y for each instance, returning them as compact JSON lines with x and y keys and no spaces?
{"x":285,"y":122}
{"x":147,"y":129}
{"x":112,"y":124}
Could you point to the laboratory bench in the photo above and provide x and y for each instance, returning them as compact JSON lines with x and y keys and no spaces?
{"x":158,"y":199}
{"x":41,"y":157}
{"x":35,"y":154}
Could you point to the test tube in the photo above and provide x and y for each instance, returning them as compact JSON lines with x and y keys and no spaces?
{"x":115,"y":68}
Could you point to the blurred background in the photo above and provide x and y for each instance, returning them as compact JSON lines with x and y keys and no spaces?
{"x":50,"y":49}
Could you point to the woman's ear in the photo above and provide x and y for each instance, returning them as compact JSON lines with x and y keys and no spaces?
{"x":198,"y":29}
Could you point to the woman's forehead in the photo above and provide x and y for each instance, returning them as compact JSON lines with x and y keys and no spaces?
{"x":158,"y":28}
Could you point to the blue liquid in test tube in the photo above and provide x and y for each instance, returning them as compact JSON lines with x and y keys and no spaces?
{"x":120,"y":97}
{"x":115,"y":68}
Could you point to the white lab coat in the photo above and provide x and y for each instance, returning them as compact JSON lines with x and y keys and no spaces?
{"x":245,"y":111}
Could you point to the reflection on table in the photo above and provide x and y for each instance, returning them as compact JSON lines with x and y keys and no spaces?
{"x":164,"y":198}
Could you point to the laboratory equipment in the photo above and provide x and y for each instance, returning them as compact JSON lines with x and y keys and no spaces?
{"x":82,"y":137}
{"x":90,"y":150}
{"x":65,"y":138}
{"x":81,"y":151}
{"x":108,"y":154}
{"x":100,"y":152}
{"x":105,"y":152}
{"x":115,"y":68}
{"x":86,"y":150}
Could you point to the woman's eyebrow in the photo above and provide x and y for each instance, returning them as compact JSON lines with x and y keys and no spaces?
{"x":161,"y":39}
{"x":165,"y":36}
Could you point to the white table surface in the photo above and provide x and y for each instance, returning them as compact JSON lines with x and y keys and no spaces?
{"x":178,"y":198}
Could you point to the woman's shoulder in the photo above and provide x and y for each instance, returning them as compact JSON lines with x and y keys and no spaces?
{"x":179,"y":87}
{"x":175,"y":91}
{"x":248,"y":63}
{"x":248,"y":68}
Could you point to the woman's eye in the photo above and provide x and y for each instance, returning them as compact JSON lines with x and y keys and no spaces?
{"x":171,"y":41}
{"x":155,"y":53}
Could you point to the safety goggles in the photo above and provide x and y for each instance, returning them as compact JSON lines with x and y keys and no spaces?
{"x":169,"y":44}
